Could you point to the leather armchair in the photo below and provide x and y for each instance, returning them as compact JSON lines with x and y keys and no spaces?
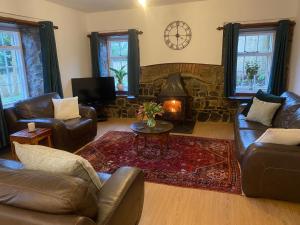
{"x":41,"y":198}
{"x":68,"y":135}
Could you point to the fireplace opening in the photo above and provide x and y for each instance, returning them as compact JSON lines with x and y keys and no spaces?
{"x":172,"y":106}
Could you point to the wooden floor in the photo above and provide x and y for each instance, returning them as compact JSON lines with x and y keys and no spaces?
{"x":168,"y":205}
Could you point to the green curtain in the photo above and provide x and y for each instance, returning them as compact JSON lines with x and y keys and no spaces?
{"x":230,"y":46}
{"x":3,"y":128}
{"x":99,"y":55}
{"x":51,"y":73}
{"x":133,"y":63}
{"x":278,"y":77}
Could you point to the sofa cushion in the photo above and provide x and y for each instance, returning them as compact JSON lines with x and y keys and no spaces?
{"x":79,"y":127}
{"x":263,"y":96}
{"x":47,"y":192}
{"x":57,"y":161}
{"x":65,"y":109}
{"x":242,"y":123}
{"x":280,"y":136}
{"x":288,"y":115}
{"x":38,"y":107}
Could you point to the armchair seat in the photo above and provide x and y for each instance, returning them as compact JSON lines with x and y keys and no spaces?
{"x":69,"y":135}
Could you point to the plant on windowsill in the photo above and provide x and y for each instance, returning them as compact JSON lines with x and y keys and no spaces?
{"x":119,"y":74}
{"x":251,"y":71}
{"x":150,"y":110}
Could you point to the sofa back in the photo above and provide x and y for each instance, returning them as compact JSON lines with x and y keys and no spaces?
{"x":47,"y":193}
{"x":37,"y":107}
{"x":288,"y":116}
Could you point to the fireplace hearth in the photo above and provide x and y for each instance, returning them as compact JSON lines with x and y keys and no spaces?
{"x":174,"y":100}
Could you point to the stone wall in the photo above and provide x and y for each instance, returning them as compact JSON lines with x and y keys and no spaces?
{"x":204,"y":84}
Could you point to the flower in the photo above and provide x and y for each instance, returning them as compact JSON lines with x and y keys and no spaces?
{"x":150,"y":110}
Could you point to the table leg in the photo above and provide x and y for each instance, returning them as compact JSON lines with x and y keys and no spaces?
{"x":49,"y":141}
{"x":13,"y":151}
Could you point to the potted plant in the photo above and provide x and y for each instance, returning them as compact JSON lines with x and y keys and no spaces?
{"x":251,"y":71}
{"x":119,"y":74}
{"x":150,"y":110}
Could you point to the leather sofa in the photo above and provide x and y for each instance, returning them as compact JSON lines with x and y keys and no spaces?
{"x":41,"y":198}
{"x":269,"y":170}
{"x":68,"y":135}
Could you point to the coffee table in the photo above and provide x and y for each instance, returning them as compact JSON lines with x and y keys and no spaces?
{"x":161,"y":131}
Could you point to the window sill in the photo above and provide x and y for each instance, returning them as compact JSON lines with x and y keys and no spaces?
{"x":240,"y":98}
{"x":130,"y":97}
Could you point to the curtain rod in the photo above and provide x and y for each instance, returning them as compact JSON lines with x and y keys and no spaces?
{"x":21,"y":22}
{"x":258,"y":25}
{"x":115,"y":33}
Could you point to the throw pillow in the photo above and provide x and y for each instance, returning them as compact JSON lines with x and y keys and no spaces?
{"x":37,"y":157}
{"x":263,"y":96}
{"x":262,"y":112}
{"x":65,"y":109}
{"x":280,"y":136}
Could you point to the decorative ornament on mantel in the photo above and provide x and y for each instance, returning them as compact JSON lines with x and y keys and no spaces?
{"x":177,"y":35}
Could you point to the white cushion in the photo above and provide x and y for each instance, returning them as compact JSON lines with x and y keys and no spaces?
{"x":262,"y":112}
{"x":65,"y":109}
{"x":37,"y":157}
{"x":280,"y":136}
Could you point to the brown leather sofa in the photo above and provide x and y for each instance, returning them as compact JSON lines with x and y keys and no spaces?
{"x":40,"y":198}
{"x":68,"y":135}
{"x":269,"y":170}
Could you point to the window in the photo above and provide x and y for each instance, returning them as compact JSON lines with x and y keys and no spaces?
{"x":13,"y":86}
{"x":118,"y":60}
{"x":254,"y":61}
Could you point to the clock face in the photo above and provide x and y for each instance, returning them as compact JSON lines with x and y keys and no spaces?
{"x":177,"y":35}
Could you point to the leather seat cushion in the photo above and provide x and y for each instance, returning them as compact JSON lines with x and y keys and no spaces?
{"x":242,"y":123}
{"x":47,"y":192}
{"x":79,"y":127}
{"x":244,"y":138}
{"x":38,"y":107}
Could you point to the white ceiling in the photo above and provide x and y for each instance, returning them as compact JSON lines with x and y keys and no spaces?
{"x":106,"y":5}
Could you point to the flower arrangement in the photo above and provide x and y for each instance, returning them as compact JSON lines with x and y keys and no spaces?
{"x":150,"y":110}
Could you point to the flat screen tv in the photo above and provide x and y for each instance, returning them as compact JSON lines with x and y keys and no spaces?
{"x":99,"y":90}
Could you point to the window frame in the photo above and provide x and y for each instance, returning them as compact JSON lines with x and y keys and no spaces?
{"x":258,"y":31}
{"x":116,"y":38}
{"x":21,"y":61}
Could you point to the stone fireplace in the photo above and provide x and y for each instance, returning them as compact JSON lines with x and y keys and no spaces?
{"x":203,"y":85}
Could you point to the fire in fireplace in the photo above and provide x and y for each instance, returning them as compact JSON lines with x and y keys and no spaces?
{"x":173,"y":106}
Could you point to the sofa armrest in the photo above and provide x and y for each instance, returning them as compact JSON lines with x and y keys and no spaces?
{"x":272,"y":170}
{"x":121,"y":198}
{"x":44,"y":122}
{"x":88,"y":112}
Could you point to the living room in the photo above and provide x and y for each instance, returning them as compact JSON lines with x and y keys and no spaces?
{"x":149,"y":112}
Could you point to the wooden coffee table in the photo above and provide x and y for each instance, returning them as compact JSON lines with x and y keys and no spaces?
{"x":32,"y":138}
{"x":161,"y":131}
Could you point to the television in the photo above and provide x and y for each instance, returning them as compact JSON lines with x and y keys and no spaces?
{"x":93,"y":91}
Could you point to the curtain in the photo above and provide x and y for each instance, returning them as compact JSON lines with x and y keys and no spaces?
{"x":231,"y":36}
{"x":99,"y":55}
{"x":133,"y":63}
{"x":278,"y":77}
{"x":3,"y":128}
{"x":51,"y":73}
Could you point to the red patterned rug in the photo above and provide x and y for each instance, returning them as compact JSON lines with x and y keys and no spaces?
{"x":189,"y":162}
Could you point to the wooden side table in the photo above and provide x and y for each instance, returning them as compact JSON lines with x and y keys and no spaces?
{"x":32,"y":138}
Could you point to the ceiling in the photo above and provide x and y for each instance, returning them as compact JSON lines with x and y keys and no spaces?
{"x":106,"y":5}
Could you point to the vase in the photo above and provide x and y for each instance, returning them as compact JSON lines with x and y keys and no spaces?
{"x":151,"y":122}
{"x":120,"y":87}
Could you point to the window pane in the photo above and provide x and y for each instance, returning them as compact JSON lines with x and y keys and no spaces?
{"x":251,"y":43}
{"x":241,"y":44}
{"x":265,"y":43}
{"x":13,"y":85}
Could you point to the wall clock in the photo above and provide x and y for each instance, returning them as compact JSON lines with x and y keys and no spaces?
{"x":177,"y":35}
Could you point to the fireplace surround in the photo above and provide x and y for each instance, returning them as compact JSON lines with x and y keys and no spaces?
{"x":203,"y":83}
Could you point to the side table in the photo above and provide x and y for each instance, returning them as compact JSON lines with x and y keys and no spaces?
{"x":32,"y":138}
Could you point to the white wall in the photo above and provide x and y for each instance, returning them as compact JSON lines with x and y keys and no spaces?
{"x":294,"y":79}
{"x":72,"y":43}
{"x":203,"y":17}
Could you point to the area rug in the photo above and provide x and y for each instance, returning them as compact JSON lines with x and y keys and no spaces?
{"x":189,"y":162}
